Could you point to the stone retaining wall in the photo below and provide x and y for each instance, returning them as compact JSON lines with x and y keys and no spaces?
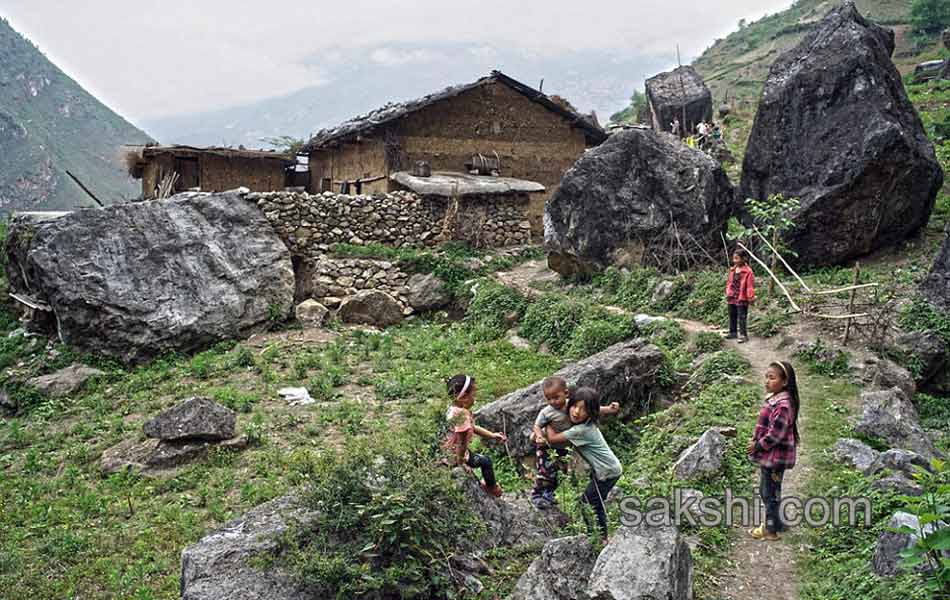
{"x":329,"y":280}
{"x":310,"y":224}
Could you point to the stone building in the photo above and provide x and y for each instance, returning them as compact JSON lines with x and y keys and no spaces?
{"x":527,"y":134}
{"x":209,"y":169}
{"x":678,"y":94}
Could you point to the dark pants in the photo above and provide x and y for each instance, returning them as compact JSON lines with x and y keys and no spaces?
{"x":546,"y":478}
{"x":595,"y":495}
{"x":738,"y":316}
{"x":480,"y":461}
{"x":771,"y":492}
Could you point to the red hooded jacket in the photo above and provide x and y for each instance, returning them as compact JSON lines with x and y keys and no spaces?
{"x":745,"y":292}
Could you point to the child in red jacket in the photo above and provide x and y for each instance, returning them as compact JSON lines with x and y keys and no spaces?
{"x":740,"y":293}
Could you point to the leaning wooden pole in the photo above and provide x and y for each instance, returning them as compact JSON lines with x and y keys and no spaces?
{"x":854,"y":292}
{"x":85,"y":189}
{"x":772,"y":275}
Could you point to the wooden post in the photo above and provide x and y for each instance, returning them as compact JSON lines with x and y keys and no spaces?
{"x":854,"y":291}
{"x":774,"y":259}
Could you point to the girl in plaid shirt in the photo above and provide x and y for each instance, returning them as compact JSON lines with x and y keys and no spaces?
{"x":774,"y":443}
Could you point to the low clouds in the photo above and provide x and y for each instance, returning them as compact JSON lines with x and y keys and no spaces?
{"x":151,"y":60}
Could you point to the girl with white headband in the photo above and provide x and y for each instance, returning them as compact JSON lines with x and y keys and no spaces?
{"x":774,"y":443}
{"x":462,"y":427}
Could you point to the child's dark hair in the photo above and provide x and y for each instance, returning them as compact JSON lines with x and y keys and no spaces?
{"x":553,"y":383}
{"x":791,"y":386}
{"x":742,"y":254}
{"x":455,"y":384}
{"x":591,"y":400}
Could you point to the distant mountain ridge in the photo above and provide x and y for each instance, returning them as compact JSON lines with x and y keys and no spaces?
{"x":358,"y":83}
{"x":49,"y":125}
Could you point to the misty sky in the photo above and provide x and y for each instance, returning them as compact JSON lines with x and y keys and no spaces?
{"x":149,"y":60}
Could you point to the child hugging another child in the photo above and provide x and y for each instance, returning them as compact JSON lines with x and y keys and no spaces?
{"x":461,"y":389}
{"x":556,"y":394}
{"x":774,"y":443}
{"x":584,"y":410}
{"x":740,"y":293}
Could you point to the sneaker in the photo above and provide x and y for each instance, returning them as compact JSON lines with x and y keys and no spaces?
{"x":743,"y":340}
{"x":495,"y":491}
{"x":732,"y":337}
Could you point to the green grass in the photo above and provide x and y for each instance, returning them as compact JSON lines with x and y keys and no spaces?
{"x":837,"y":563}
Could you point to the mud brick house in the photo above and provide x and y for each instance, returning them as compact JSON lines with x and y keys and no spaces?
{"x":532,"y":137}
{"x":678,"y":94}
{"x":210,"y":169}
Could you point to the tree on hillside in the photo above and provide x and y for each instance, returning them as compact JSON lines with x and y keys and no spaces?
{"x":638,"y":102}
{"x":930,"y":16}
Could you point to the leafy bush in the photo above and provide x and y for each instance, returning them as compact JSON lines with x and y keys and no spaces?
{"x":596,"y":334}
{"x":719,"y":365}
{"x":632,"y":290}
{"x":707,"y":298}
{"x":493,"y":304}
{"x":932,"y":508}
{"x":934,"y":411}
{"x":920,"y":315}
{"x":930,"y":17}
{"x":705,"y":342}
{"x":769,"y":323}
{"x":822,"y":359}
{"x":573,"y":327}
{"x":388,"y":519}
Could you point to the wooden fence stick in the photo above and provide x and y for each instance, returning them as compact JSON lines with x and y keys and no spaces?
{"x":781,"y":258}
{"x":854,"y":290}
{"x":772,"y":275}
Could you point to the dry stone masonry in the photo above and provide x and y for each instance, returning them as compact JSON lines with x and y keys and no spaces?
{"x":310,"y":224}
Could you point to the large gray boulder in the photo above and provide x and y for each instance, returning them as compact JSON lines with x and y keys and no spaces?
{"x":702,"y":458}
{"x":899,"y":460}
{"x":678,"y":94}
{"x":193,"y":419}
{"x":371,"y":307}
{"x":835,"y":129}
{"x":936,"y":287}
{"x":886,"y":559}
{"x":511,"y":520}
{"x":930,"y":351}
{"x":560,"y":573}
{"x":887,"y":374}
{"x":890,"y":416}
{"x":220,"y":564}
{"x":631,"y":199}
{"x":425,"y":292}
{"x":67,"y":380}
{"x":855,"y":453}
{"x":140,"y":279}
{"x":626,"y":373}
{"x":643,"y":562}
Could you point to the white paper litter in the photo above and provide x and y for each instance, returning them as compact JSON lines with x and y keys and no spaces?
{"x":296,"y":396}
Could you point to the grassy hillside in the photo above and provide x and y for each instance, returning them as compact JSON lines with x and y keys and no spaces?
{"x":48,"y":125}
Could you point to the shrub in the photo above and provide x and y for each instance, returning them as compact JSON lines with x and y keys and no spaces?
{"x":552,"y":320}
{"x":920,"y":315}
{"x":633,"y":290}
{"x":596,"y":334}
{"x":492,"y":305}
{"x":822,"y":359}
{"x":707,"y":299}
{"x":719,"y":365}
{"x":388,"y":519}
{"x":705,"y":342}
{"x":769,"y":323}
